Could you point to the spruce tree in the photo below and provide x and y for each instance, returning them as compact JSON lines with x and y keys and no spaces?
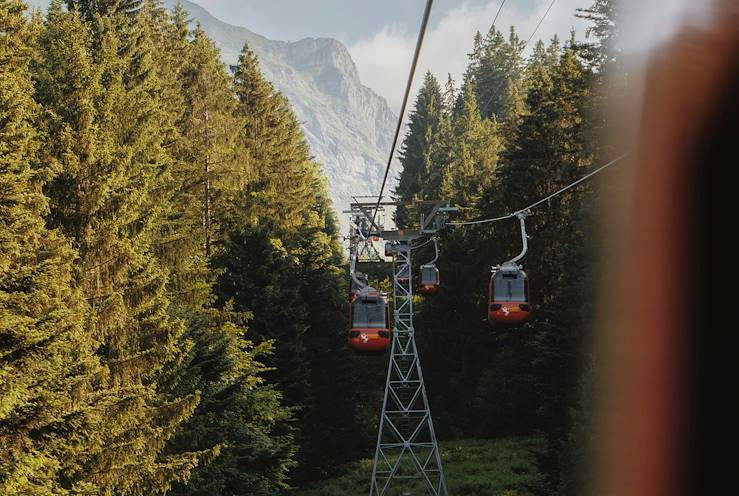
{"x":211,"y":172}
{"x":90,"y":8}
{"x":496,"y":73}
{"x":283,"y":172}
{"x":282,"y":263}
{"x":240,"y":422}
{"x":102,"y":106}
{"x":424,"y":153}
{"x":474,"y":154}
{"x":48,"y":369}
{"x":605,"y":27}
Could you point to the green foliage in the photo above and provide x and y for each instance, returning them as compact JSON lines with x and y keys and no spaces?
{"x":474,"y":155}
{"x":211,"y":174}
{"x":100,"y":94}
{"x":281,"y":262}
{"x":501,"y":467}
{"x":496,"y":71}
{"x":122,"y":371}
{"x":605,"y":26}
{"x":47,"y":367}
{"x":90,"y":8}
{"x":520,"y":129}
{"x":239,"y":420}
{"x":424,"y":153}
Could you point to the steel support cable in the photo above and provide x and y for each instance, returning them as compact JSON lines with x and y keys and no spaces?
{"x":495,"y":19}
{"x":533,"y":33}
{"x":539,"y":24}
{"x":546,"y":198}
{"x":416,"y":55}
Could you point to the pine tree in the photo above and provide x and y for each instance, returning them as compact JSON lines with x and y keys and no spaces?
{"x":240,"y":425}
{"x":90,"y":8}
{"x":180,"y":238}
{"x":212,"y":171}
{"x":282,"y":263}
{"x":497,"y":75}
{"x":605,"y":26}
{"x":449,"y":96}
{"x":474,"y":154}
{"x":47,"y":363}
{"x":424,"y":153}
{"x":240,"y":421}
{"x":101,"y":96}
{"x":283,"y":172}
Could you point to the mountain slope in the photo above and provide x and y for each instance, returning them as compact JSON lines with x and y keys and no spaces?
{"x":348,"y":126}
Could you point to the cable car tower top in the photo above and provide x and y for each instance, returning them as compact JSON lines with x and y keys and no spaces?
{"x":406,"y":441}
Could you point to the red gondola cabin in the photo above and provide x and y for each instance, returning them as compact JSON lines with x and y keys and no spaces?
{"x":508,"y":295}
{"x":370,"y":322}
{"x":428,"y":282}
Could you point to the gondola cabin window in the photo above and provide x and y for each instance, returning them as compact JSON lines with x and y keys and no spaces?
{"x":510,"y":287}
{"x":369,"y":313}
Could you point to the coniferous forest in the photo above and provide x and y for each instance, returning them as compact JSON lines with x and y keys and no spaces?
{"x":173,"y":289}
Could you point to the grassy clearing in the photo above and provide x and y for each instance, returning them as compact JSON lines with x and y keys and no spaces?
{"x":498,"y":467}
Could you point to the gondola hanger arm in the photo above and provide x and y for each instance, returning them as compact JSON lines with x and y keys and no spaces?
{"x":521,"y":215}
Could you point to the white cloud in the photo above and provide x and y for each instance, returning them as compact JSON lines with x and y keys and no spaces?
{"x":384,"y":59}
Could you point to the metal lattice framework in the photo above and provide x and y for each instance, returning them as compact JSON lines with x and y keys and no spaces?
{"x":406,"y":442}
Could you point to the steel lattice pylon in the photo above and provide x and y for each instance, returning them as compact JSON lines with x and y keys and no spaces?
{"x":406,"y":442}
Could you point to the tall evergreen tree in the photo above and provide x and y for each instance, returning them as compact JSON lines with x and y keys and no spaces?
{"x":48,"y":369}
{"x":424,"y":153}
{"x":210,"y":128}
{"x":282,"y":263}
{"x":90,"y":8}
{"x":240,"y":423}
{"x":101,"y":99}
{"x":283,"y":173}
{"x":496,"y":72}
{"x":474,"y":156}
{"x":605,"y":27}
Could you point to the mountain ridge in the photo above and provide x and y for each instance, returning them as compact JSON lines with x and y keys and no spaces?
{"x":348,"y":126}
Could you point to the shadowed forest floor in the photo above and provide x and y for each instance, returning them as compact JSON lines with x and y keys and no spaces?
{"x":497,"y":467}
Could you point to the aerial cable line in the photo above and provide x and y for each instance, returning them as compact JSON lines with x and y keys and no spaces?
{"x":533,"y":33}
{"x":538,"y":25}
{"x":498,"y":13}
{"x":416,"y":55}
{"x":546,"y":198}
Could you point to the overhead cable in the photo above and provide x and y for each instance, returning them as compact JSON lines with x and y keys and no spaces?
{"x":545,"y":199}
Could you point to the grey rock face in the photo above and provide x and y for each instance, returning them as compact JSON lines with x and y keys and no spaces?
{"x":348,"y":127}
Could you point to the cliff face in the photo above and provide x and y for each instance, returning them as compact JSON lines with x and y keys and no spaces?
{"x":348,"y":126}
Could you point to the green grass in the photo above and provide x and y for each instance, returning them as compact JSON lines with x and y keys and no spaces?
{"x":497,"y":467}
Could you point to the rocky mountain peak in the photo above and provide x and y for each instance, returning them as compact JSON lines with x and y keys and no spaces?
{"x":348,"y":126}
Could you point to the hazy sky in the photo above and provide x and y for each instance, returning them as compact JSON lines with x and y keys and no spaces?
{"x":381,"y":34}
